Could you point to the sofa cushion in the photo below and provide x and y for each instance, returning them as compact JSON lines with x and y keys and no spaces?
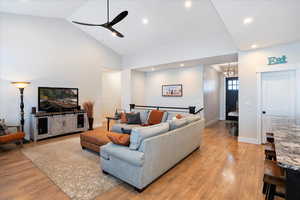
{"x":123,"y":153}
{"x":139,"y":134}
{"x":133,"y":118}
{"x":165,"y":117}
{"x":118,"y":127}
{"x":177,"y":123}
{"x":144,"y":116}
{"x":155,"y":117}
{"x":118,"y":138}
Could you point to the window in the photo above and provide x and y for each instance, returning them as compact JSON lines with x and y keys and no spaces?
{"x":233,"y":85}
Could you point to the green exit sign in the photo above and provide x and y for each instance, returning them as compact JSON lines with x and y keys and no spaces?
{"x":277,"y":60}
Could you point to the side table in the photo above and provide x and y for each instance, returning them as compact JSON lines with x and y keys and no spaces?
{"x":111,"y":118}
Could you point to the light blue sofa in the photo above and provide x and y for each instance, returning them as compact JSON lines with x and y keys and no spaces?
{"x":153,"y":151}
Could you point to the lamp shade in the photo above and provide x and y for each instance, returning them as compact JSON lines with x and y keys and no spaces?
{"x":20,"y":84}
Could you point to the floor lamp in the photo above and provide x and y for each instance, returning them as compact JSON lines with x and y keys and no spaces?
{"x":21,"y":86}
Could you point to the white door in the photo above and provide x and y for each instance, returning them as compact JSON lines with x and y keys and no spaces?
{"x":278,"y":98}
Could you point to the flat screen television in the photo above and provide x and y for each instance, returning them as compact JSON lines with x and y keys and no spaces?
{"x":57,"y":99}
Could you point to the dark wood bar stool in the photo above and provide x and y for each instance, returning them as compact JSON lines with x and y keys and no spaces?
{"x":270,"y":137}
{"x":274,"y":180}
{"x":270,"y":153}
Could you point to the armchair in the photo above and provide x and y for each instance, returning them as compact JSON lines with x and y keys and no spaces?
{"x":13,"y":136}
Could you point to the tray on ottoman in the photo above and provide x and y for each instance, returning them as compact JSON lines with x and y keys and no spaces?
{"x":92,"y":140}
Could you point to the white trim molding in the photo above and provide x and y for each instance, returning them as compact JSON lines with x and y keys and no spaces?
{"x":275,"y":68}
{"x":248,"y":140}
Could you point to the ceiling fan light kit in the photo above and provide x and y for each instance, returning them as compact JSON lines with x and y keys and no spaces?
{"x":109,"y":24}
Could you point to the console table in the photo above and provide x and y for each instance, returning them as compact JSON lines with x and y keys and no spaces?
{"x":46,"y":125}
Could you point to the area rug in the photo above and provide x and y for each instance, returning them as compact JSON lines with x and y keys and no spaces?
{"x":75,"y":171}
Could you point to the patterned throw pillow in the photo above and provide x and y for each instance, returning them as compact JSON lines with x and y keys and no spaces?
{"x":3,"y":128}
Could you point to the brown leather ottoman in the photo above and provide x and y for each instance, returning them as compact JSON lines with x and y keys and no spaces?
{"x":92,"y":140}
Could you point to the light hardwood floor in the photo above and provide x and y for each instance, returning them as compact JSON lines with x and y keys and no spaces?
{"x":222,"y":169}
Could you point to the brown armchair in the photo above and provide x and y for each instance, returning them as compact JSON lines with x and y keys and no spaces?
{"x":15,"y":136}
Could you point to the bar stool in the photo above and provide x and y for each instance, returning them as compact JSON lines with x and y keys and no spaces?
{"x":270,"y":153}
{"x":274,"y":180}
{"x":270,"y":137}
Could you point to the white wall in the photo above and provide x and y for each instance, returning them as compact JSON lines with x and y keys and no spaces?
{"x":110,"y":93}
{"x":249,"y":63}
{"x":126,"y":90}
{"x":49,"y":52}
{"x":222,"y":97}
{"x":211,"y":95}
{"x":191,"y":78}
{"x":138,"y":87}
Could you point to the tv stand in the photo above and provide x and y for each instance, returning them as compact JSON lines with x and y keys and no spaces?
{"x":45,"y":125}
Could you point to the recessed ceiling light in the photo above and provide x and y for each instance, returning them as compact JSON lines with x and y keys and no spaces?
{"x":248,"y":20}
{"x":152,"y":69}
{"x":182,"y":65}
{"x":253,"y":46}
{"x":145,"y":21}
{"x":188,"y":3}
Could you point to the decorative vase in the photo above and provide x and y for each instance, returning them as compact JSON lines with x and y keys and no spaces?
{"x":91,"y":122}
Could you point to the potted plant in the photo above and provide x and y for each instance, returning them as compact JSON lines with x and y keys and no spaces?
{"x":88,"y":107}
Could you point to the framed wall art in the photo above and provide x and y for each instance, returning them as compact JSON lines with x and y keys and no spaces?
{"x":172,"y":90}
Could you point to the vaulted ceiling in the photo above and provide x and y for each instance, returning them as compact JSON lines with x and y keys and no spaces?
{"x":274,"y":21}
{"x":218,"y":22}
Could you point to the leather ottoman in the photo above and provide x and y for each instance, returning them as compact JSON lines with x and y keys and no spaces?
{"x":92,"y":140}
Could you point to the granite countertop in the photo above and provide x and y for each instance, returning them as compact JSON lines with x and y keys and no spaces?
{"x":287,"y":145}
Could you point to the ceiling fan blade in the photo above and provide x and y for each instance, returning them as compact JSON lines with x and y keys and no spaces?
{"x":118,"y":18}
{"x":85,"y":24}
{"x":115,"y":31}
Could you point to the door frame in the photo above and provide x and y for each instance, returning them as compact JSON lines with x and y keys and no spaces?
{"x":259,"y":74}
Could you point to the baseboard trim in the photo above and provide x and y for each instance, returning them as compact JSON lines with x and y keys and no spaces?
{"x":248,"y":140}
{"x":211,"y":122}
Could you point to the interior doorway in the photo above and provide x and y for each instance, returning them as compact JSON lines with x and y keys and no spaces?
{"x":232,"y":95}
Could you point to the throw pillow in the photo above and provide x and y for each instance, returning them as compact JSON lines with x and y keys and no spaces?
{"x":126,"y":131}
{"x":179,"y":116}
{"x":155,"y":117}
{"x":133,"y":118}
{"x":3,"y":128}
{"x":119,"y":138}
{"x":123,"y":117}
{"x":144,"y":116}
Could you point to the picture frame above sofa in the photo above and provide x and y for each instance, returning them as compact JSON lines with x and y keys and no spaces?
{"x":174,"y":90}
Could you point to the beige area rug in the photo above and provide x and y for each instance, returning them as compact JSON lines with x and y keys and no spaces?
{"x":77,"y":172}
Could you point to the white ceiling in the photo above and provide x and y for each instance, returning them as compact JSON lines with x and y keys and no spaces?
{"x":274,"y":21}
{"x":206,"y":22}
{"x":210,"y":61}
{"x":42,"y":8}
{"x":169,"y":22}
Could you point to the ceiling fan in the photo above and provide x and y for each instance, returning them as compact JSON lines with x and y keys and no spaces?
{"x":109,"y":24}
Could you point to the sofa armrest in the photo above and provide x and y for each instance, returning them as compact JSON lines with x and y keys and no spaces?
{"x":123,"y":153}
